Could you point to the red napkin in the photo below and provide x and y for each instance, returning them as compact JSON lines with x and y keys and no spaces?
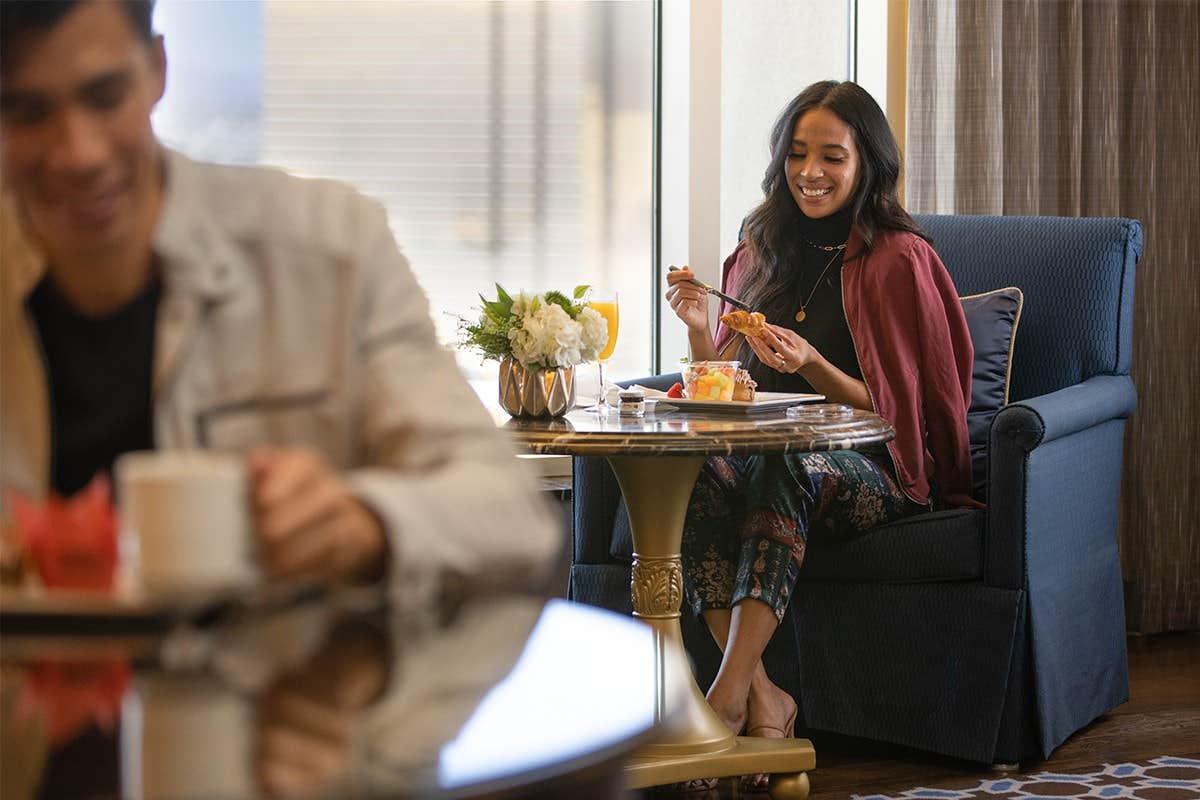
{"x":72,"y":541}
{"x":71,"y":696}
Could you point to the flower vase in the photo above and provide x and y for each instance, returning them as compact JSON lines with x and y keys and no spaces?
{"x":526,"y":392}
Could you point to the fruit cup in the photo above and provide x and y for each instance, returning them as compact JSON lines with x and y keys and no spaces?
{"x":709,"y":380}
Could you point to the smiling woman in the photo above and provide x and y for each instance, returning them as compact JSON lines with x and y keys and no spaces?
{"x":884,"y":333}
{"x":822,"y":164}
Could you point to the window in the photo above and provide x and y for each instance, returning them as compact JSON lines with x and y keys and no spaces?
{"x":510,"y":141}
{"x":728,"y":70}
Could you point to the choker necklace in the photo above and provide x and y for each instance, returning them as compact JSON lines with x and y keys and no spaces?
{"x":828,"y":248}
{"x":837,"y":251}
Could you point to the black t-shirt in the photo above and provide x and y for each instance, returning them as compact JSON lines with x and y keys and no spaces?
{"x":817,"y":272}
{"x":99,"y":372}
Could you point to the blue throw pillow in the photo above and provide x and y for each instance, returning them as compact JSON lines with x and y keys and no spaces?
{"x":992,"y":318}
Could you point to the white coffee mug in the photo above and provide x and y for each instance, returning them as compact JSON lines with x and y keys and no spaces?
{"x":189,"y":513}
{"x":185,"y":736}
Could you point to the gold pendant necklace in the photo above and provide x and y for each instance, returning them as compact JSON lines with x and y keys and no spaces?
{"x":837,"y":251}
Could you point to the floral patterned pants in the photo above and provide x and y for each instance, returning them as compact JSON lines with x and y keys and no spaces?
{"x":750,"y":519}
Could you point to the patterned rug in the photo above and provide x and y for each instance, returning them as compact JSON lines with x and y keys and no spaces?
{"x":1162,"y":778}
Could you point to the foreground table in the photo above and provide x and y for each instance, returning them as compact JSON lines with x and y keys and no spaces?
{"x":320,"y":700}
{"x":657,"y":460}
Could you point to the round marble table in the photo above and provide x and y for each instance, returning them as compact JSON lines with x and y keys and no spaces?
{"x":326,"y":698}
{"x":657,"y":459}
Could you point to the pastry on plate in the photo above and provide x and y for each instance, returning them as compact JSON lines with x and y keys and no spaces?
{"x":744,"y":386}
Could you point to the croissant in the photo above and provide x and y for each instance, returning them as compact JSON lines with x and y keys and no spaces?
{"x":751,"y":323}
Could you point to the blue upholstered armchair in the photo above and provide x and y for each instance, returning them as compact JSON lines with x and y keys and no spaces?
{"x":987,"y":635}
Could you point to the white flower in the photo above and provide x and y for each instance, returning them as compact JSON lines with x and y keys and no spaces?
{"x":520,"y":306}
{"x":547,"y":336}
{"x":560,"y":334}
{"x":595,"y":332}
{"x":537,"y":333}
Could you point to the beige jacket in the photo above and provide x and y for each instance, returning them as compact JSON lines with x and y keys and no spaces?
{"x":289,"y":317}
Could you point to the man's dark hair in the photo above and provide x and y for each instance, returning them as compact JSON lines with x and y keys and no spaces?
{"x":20,"y":19}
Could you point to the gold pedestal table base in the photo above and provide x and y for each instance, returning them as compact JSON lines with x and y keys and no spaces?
{"x":657,"y":461}
{"x":696,"y":743}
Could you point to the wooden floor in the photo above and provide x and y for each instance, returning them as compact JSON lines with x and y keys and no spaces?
{"x":1162,"y":717}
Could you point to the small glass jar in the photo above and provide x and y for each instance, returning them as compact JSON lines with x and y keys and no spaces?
{"x":631,"y":403}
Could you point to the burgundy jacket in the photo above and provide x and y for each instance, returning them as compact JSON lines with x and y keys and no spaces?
{"x":915,"y":354}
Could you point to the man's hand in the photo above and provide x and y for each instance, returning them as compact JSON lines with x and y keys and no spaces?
{"x":307,"y":521}
{"x":305,"y":718}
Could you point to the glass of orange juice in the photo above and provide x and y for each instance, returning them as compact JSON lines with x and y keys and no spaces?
{"x":605,"y":304}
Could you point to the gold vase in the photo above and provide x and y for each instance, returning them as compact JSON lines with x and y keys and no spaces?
{"x":536,"y":392}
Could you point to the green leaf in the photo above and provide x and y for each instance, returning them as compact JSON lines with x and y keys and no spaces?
{"x":495,"y":311}
{"x":489,"y":342}
{"x":580,"y":291}
{"x":559,"y":299}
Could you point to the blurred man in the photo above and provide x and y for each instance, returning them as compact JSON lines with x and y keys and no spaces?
{"x":152,"y":301}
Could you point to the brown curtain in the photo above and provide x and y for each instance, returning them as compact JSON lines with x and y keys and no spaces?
{"x":1089,"y":108}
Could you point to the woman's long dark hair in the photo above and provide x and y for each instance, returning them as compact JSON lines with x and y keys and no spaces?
{"x":769,"y":229}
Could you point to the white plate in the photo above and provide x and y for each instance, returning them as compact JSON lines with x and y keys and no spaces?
{"x":763,"y":401}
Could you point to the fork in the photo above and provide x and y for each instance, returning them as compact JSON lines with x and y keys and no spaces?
{"x":733,"y":301}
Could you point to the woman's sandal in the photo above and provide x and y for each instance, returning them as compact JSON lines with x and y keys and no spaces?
{"x":759,"y":781}
{"x":693,"y":786}
{"x":754,"y":783}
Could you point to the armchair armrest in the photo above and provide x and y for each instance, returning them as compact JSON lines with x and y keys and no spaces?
{"x":1022,"y":434}
{"x":662,"y":382}
{"x":1029,"y":423}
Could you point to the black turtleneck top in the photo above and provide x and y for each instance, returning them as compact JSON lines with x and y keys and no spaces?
{"x":824,"y":324}
{"x":100,"y":372}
